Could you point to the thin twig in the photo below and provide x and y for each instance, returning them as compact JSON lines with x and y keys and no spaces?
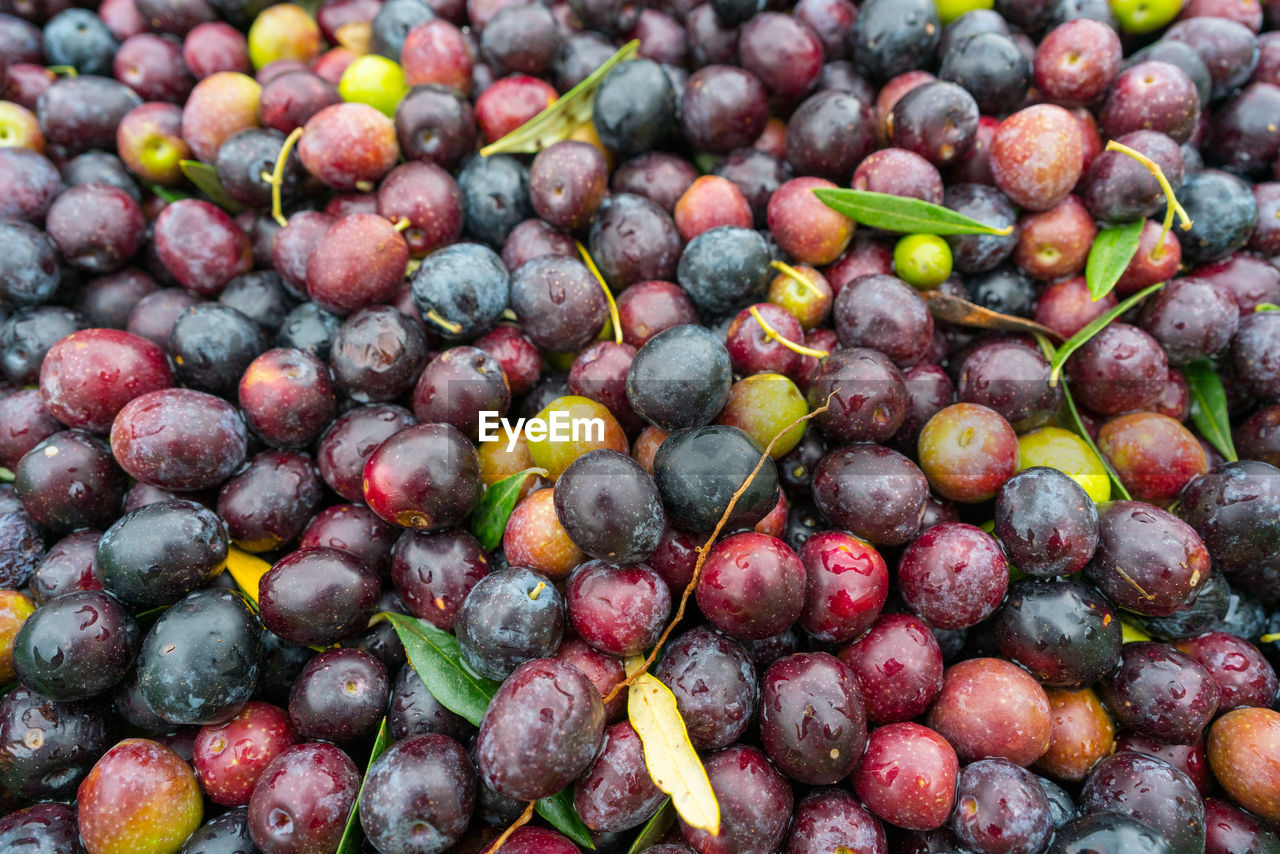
{"x":705,"y":550}
{"x":520,"y":822}
{"x":1136,"y":585}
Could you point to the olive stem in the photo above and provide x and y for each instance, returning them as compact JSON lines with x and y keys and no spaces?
{"x":604,"y":286}
{"x":792,"y":273}
{"x":1174,"y":206}
{"x":402,"y":224}
{"x":537,"y":591}
{"x":770,"y":332}
{"x":1271,"y":638}
{"x":705,"y":551}
{"x":525,"y":818}
{"x":277,"y":176}
{"x":443,"y":322}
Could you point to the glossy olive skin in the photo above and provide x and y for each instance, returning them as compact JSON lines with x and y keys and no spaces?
{"x":419,"y":795}
{"x":829,"y":817}
{"x":76,"y":645}
{"x":610,"y":507}
{"x":755,"y":802}
{"x":414,"y":711}
{"x":1001,"y":807}
{"x":715,"y":686}
{"x":199,"y":662}
{"x":303,"y":798}
{"x":1229,"y":828}
{"x":160,"y":552}
{"x":340,"y":696}
{"x":698,"y":470}
{"x":1046,"y":522}
{"x":820,"y":690}
{"x":1062,"y":630}
{"x":511,"y":616}
{"x":1161,"y":692}
{"x":679,"y":378}
{"x":1151,"y":791}
{"x":317,"y":596}
{"x":224,"y":834}
{"x":1147,"y":560}
{"x":541,"y":731}
{"x":41,"y":829}
{"x":1107,"y":832}
{"x":46,"y":747}
{"x":617,"y":792}
{"x":1233,"y":508}
{"x":871,"y":491}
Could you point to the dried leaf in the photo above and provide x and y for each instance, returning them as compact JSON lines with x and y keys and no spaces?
{"x":961,"y":312}
{"x":669,"y":755}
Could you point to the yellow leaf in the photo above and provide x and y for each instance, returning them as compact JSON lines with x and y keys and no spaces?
{"x":1129,"y":633}
{"x":673,"y":763}
{"x":247,"y":570}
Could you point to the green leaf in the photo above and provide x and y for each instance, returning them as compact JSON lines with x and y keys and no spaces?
{"x":352,"y":834}
{"x":655,"y":828}
{"x":1075,"y":342}
{"x":169,"y":194}
{"x":563,"y":116}
{"x":6,"y":476}
{"x":1266,"y":306}
{"x":558,"y":810}
{"x":1077,"y":424}
{"x":1209,"y":406}
{"x":437,"y":659}
{"x":489,"y":519}
{"x":901,"y":214}
{"x":205,"y":177}
{"x":1112,"y":251}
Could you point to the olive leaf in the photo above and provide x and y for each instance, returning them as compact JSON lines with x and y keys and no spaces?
{"x":489,"y":519}
{"x":1266,"y":306}
{"x":563,"y":115}
{"x":559,"y":812}
{"x":1209,"y":406}
{"x":669,"y":755}
{"x":169,"y":194}
{"x":6,"y":476}
{"x":205,"y":177}
{"x":436,"y":657}
{"x":901,"y":214}
{"x":1110,"y":255}
{"x":1075,"y":342}
{"x":961,"y":312}
{"x":655,"y":828}
{"x":352,"y":834}
{"x":247,"y":571}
